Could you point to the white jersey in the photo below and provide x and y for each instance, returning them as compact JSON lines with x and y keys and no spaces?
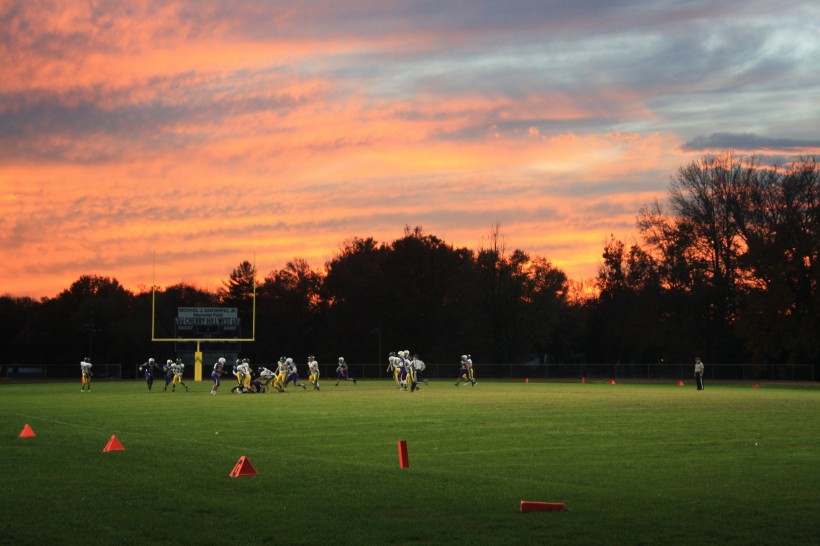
{"x":245,"y":368}
{"x":85,"y":367}
{"x":313,"y":366}
{"x":393,"y":363}
{"x":282,"y":368}
{"x":178,"y":368}
{"x":266,"y":373}
{"x":417,"y":364}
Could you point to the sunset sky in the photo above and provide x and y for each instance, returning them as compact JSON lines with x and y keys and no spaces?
{"x":210,"y":131}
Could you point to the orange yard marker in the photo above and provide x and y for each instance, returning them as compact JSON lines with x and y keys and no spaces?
{"x":404,"y":461}
{"x":26,"y":432}
{"x":243,"y":467}
{"x":535,"y":506}
{"x":113,"y":445}
{"x":680,"y":382}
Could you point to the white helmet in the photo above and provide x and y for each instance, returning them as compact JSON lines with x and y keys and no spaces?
{"x":221,"y":359}
{"x":463,"y":358}
{"x":150,"y":360}
{"x":288,"y":361}
{"x":341,"y":360}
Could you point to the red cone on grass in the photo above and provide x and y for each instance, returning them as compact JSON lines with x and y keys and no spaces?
{"x":113,"y":445}
{"x":611,"y":381}
{"x":26,"y":432}
{"x":680,"y":382}
{"x":243,"y":467}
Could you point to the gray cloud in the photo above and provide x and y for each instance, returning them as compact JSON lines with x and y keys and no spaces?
{"x":747,"y":141}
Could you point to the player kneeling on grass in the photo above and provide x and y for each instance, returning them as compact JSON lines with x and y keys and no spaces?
{"x":313,"y":371}
{"x":85,"y":370}
{"x":217,"y":373}
{"x":466,"y":371}
{"x":179,"y":369}
{"x":342,"y":372}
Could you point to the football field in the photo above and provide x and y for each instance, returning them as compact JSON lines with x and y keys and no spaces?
{"x":632,"y":463}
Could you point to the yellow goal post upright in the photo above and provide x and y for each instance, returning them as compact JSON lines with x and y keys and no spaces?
{"x":200,"y":340}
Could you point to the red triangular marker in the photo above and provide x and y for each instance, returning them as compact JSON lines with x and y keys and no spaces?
{"x":26,"y":432}
{"x":113,"y":445}
{"x":243,"y":467}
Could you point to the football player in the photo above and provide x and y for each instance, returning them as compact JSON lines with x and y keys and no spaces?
{"x":466,"y":371}
{"x":85,"y":370}
{"x":393,"y":367}
{"x":342,"y":371}
{"x":217,"y":373}
{"x":313,"y":370}
{"x":149,"y":367}
{"x":292,"y":374}
{"x":178,"y":368}
{"x":168,"y":370}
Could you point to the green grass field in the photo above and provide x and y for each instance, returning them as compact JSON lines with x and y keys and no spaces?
{"x":633,"y":463}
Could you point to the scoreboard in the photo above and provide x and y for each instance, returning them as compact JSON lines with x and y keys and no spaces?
{"x":220,"y":323}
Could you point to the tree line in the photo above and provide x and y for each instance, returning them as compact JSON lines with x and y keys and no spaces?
{"x":727,"y":268}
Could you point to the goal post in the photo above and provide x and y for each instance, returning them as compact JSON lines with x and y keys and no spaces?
{"x":198,"y":353}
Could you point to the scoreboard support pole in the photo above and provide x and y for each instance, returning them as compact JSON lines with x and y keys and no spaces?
{"x":197,"y":363}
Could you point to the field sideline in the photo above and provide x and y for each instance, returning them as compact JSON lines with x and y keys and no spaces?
{"x":633,"y":463}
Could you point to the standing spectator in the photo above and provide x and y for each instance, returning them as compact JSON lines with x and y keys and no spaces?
{"x":85,"y":369}
{"x":699,"y":373}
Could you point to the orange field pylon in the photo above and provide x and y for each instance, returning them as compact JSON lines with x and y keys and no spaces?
{"x":535,"y":506}
{"x":680,"y":382}
{"x":243,"y":467}
{"x":113,"y":445}
{"x":404,"y":460}
{"x":611,"y":381}
{"x":583,"y":380}
{"x":26,"y":432}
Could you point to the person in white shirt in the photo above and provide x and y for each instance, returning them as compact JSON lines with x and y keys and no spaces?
{"x":699,"y":373}
{"x":85,"y":369}
{"x":313,"y":370}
